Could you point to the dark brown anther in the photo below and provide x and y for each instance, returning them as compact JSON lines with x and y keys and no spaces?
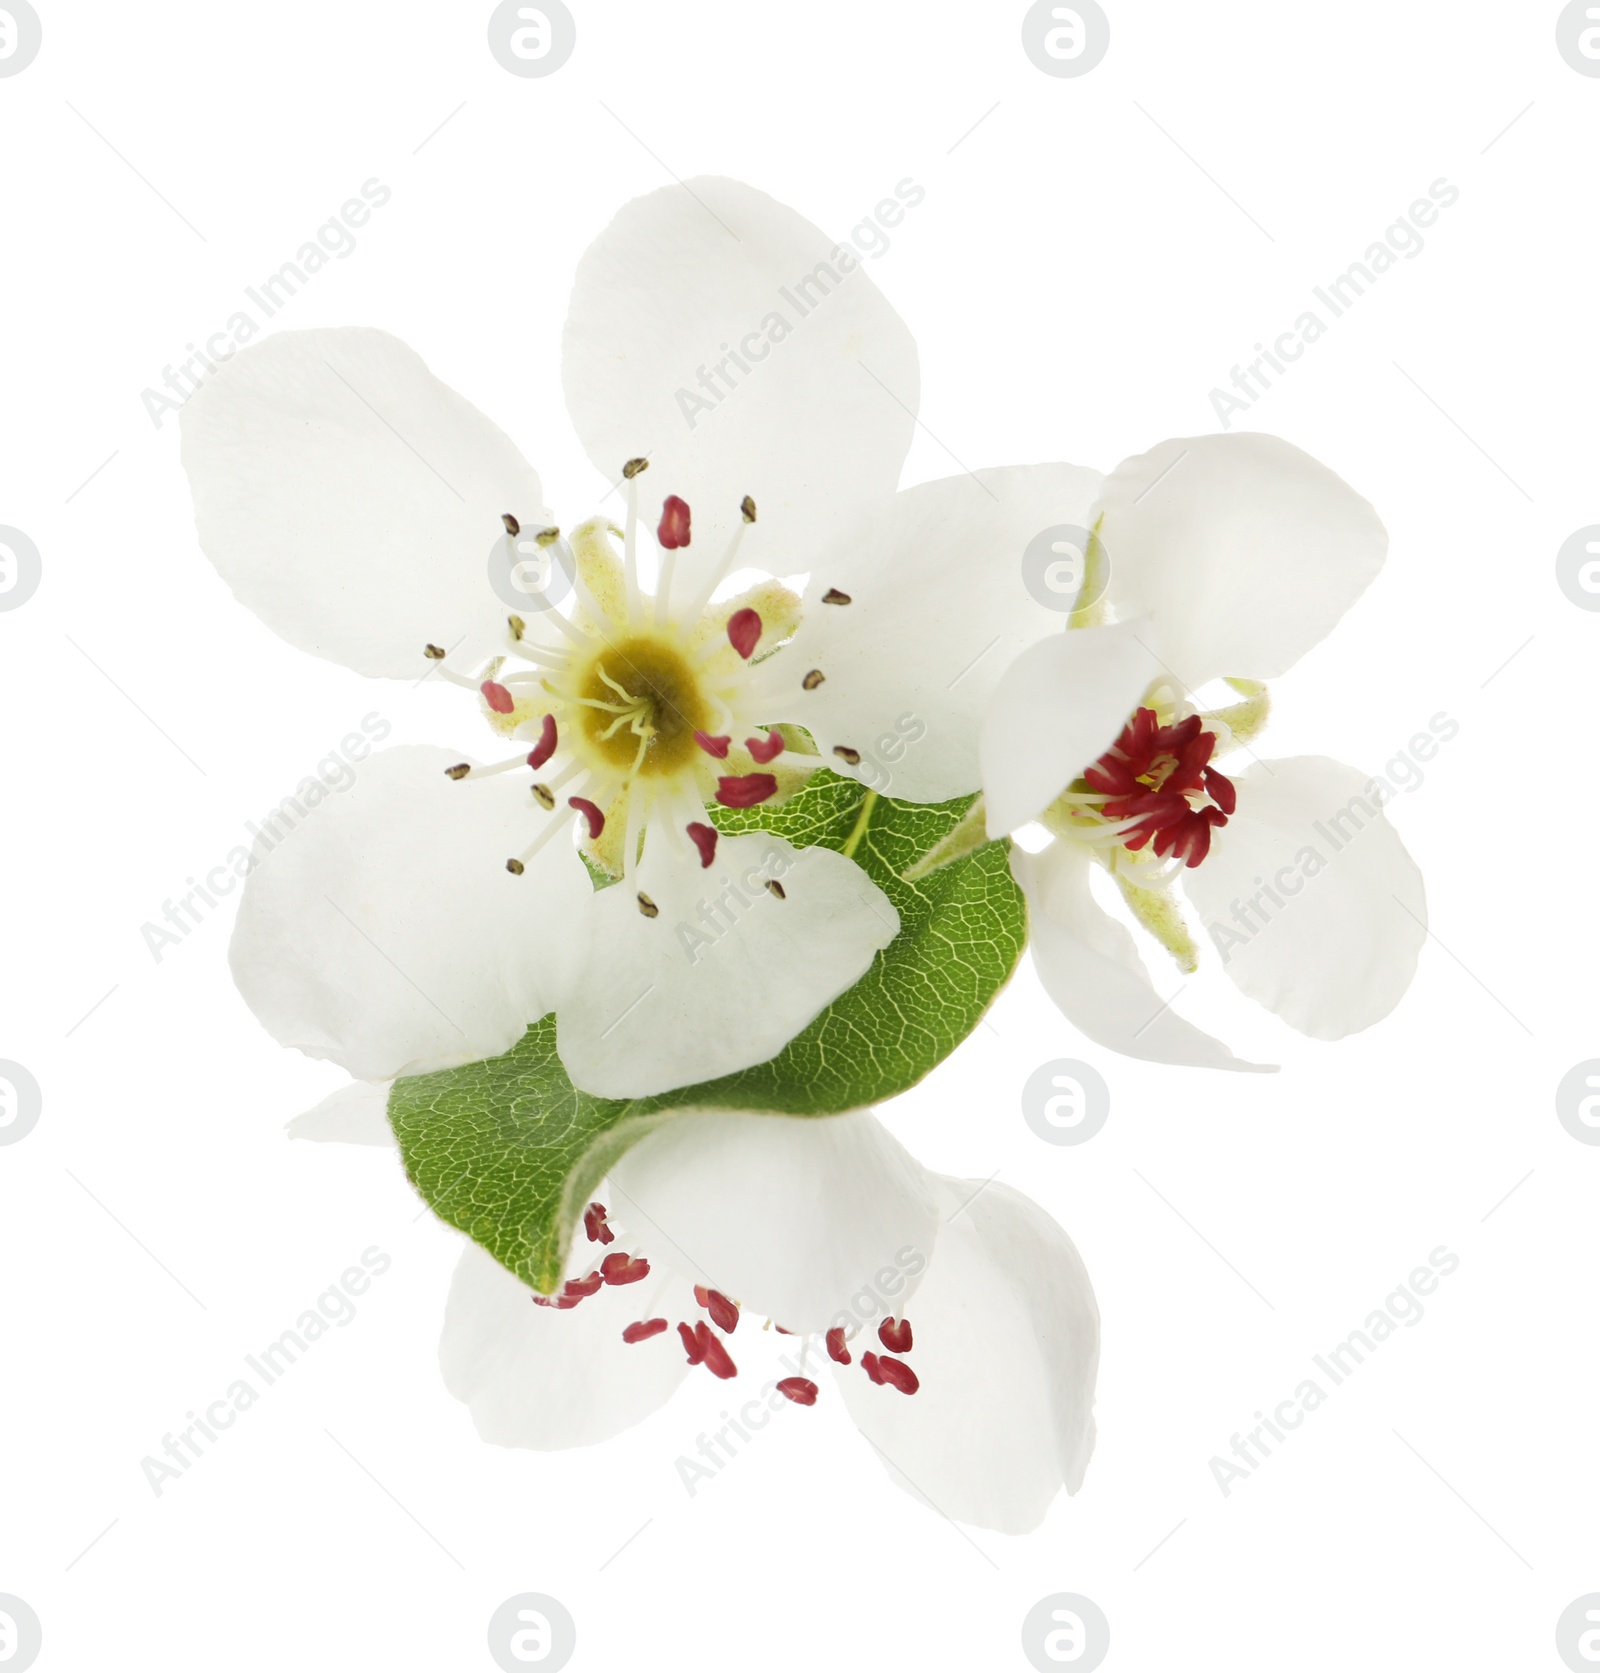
{"x":851,"y":757}
{"x":515,"y":867}
{"x":775,"y":889}
{"x":834,"y":596}
{"x":517,"y":625}
{"x":434,"y":653}
{"x":547,"y":537}
{"x":544,"y":796}
{"x":648,"y":906}
{"x":460,"y":770}
{"x":812,"y":680}
{"x":633,"y":467}
{"x":747,"y":509}
{"x":513,"y":527}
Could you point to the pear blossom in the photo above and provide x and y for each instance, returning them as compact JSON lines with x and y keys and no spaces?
{"x":1215,"y":562}
{"x":365,"y":511}
{"x":955,"y":1319}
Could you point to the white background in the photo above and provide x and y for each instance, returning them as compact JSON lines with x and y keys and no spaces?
{"x":1091,"y":259}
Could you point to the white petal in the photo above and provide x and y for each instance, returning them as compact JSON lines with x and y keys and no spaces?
{"x":1091,"y":968}
{"x":689,"y":995}
{"x":1245,"y":549}
{"x":355,"y":1114}
{"x":351,"y":499}
{"x":383,"y":931}
{"x":789,"y":1215}
{"x":938,"y":610}
{"x":1058,"y":709}
{"x":1006,"y":1345}
{"x":818,"y":427}
{"x":544,"y":1377}
{"x":1337,"y":949}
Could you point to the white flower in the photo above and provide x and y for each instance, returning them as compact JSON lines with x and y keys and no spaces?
{"x":358,"y":505}
{"x":1228,"y":558}
{"x":956,"y":1316}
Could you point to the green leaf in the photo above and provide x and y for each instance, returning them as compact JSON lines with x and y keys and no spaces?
{"x":508,"y":1150}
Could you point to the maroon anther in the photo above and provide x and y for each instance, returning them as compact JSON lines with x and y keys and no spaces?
{"x":619,"y":1267}
{"x":870,"y":1364}
{"x":895,"y":1334}
{"x":594,"y":1223}
{"x":898,"y":1374}
{"x":746,"y":790}
{"x":744,"y":631}
{"x":546,"y":746}
{"x":837,"y":1351}
{"x":724,"y":1313}
{"x":643,"y":1330}
{"x":765,"y":749}
{"x":704,"y":837}
{"x":715,"y":1357}
{"x":799,"y":1389}
{"x":497,"y":697}
{"x":689,"y":1335}
{"x":716,"y":745}
{"x":673,"y":529}
{"x":580,"y":1287}
{"x":592,"y":816}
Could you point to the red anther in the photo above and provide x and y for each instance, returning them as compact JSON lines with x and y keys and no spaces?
{"x":895,"y":1334}
{"x":898,"y":1374}
{"x":594,"y":1223}
{"x":870,"y":1364}
{"x":1221,"y":790}
{"x":714,"y":746}
{"x":546,"y":746}
{"x":497,"y":697}
{"x":689,"y":1334}
{"x":716,"y":1358}
{"x":673,"y":529}
{"x":799,"y":1389}
{"x":765,"y":749}
{"x":586,"y":1285}
{"x":643,"y":1330}
{"x":744,"y":631}
{"x":560,"y":1302}
{"x":704,"y":837}
{"x":746,"y":790}
{"x":724,"y":1313}
{"x":620,"y":1267}
{"x":592,"y":815}
{"x":837,"y":1351}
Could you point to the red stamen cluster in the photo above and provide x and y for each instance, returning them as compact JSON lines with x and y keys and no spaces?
{"x":1151,"y":773}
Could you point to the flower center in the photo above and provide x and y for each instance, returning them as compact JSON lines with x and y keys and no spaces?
{"x":1155,"y":787}
{"x":638,"y":705}
{"x":641,"y":710}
